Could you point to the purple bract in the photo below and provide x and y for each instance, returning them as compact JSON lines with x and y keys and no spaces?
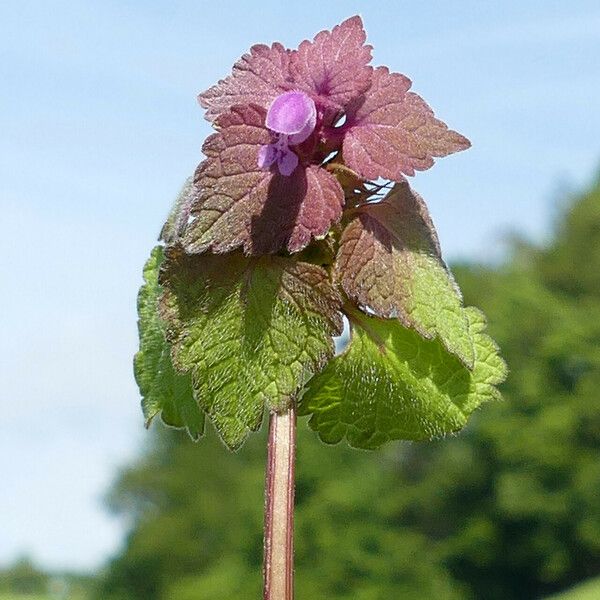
{"x":266,"y":184}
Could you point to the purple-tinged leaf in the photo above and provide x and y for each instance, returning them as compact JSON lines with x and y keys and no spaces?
{"x":389,"y":262}
{"x":392,"y":132}
{"x":239,"y":204}
{"x":333,"y":68}
{"x":257,"y":78}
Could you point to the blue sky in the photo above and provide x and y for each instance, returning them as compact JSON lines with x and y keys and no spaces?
{"x":100,"y":128}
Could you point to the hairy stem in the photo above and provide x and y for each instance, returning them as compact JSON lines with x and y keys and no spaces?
{"x":279,"y":508}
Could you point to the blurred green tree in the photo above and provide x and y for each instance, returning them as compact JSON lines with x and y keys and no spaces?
{"x":197,"y":526}
{"x":23,"y":577}
{"x":509,"y":509}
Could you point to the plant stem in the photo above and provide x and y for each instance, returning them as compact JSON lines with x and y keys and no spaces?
{"x":279,"y":508}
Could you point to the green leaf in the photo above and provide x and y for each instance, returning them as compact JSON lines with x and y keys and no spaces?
{"x":390,"y":263}
{"x":163,"y":390}
{"x":251,"y":331}
{"x":391,"y":384}
{"x":176,"y":222}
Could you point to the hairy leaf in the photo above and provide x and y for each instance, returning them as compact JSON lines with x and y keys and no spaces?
{"x":257,"y":78}
{"x":250,"y":331}
{"x":176,"y":222}
{"x":333,"y":68}
{"x":163,"y":390}
{"x":389,"y":261}
{"x":391,"y":132}
{"x":239,"y":204}
{"x":391,"y":384}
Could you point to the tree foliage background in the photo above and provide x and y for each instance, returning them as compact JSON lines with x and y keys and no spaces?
{"x":508,"y":509}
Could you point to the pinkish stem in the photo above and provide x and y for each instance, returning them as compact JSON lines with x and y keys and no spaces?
{"x":279,"y":508}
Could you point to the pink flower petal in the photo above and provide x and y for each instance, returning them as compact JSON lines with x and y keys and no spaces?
{"x":287,"y":162}
{"x":267,"y":155}
{"x":292,"y":113}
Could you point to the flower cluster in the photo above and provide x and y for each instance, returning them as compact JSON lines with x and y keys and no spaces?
{"x":284,"y":120}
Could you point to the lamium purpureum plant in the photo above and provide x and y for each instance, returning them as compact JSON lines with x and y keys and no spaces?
{"x":299,"y":215}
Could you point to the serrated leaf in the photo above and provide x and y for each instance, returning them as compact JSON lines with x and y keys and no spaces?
{"x":391,"y":384}
{"x":389,"y":261}
{"x":239,"y":204}
{"x":257,"y":78}
{"x":391,"y":132}
{"x":250,"y":331}
{"x":164,"y":391}
{"x":333,"y":67}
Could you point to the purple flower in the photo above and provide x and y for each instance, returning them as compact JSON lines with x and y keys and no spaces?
{"x":265,"y":184}
{"x":292,"y":118}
